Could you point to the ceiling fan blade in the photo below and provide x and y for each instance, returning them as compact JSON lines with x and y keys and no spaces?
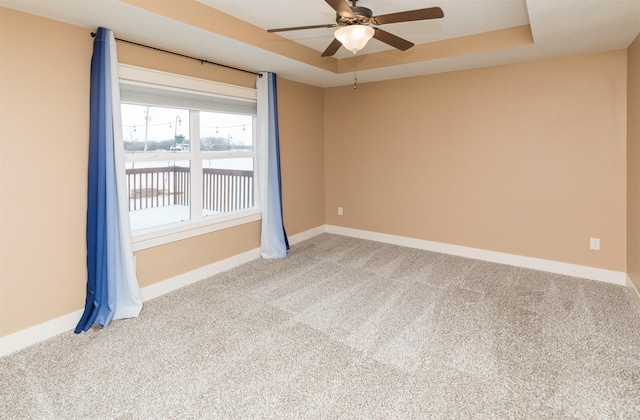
{"x":391,"y":39}
{"x":296,"y":28}
{"x":341,"y":8}
{"x":332,"y":48}
{"x":409,"y":16}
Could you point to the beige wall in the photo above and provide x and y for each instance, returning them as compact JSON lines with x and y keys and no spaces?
{"x":44,"y":85}
{"x":301,"y":112}
{"x":527,"y":159}
{"x":44,"y":89}
{"x":633,"y":162}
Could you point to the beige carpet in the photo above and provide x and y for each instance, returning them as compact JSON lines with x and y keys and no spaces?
{"x":346,"y":328}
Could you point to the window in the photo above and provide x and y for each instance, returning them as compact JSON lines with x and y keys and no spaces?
{"x":190,"y":155}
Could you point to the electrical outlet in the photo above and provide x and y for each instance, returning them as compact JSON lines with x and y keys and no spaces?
{"x":594,"y":244}
{"x":340,"y":211}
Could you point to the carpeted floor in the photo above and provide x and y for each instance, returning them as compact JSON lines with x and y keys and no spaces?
{"x":346,"y":328}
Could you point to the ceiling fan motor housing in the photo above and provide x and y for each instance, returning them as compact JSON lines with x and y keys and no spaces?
{"x":363,"y":17}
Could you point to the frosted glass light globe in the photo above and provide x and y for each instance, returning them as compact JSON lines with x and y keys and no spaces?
{"x":354,"y":37}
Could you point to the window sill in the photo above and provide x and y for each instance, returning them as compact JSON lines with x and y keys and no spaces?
{"x":160,"y":236}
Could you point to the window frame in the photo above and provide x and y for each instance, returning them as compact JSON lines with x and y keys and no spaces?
{"x":161,"y":235}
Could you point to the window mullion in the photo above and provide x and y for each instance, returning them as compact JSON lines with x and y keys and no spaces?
{"x":256,"y":166}
{"x":196,"y":166}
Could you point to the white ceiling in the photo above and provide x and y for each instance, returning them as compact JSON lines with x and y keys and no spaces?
{"x":559,"y":28}
{"x":463,"y":17}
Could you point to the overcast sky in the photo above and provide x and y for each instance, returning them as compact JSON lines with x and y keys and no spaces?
{"x":162,"y":124}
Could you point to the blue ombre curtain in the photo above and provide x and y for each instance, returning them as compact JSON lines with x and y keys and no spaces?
{"x":273,"y":240}
{"x":112,"y":286}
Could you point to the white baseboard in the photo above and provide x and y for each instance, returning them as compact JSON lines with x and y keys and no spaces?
{"x":307,"y":234}
{"x":174,"y":283}
{"x":21,"y":339}
{"x":634,"y":290}
{"x":581,"y":271}
{"x":24,"y":338}
{"x":32,"y":335}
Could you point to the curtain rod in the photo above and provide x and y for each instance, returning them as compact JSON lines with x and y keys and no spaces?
{"x":201,"y":60}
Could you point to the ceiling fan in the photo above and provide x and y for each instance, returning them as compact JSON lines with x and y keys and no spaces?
{"x":356,"y":30}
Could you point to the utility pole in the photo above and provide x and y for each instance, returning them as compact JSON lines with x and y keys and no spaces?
{"x":147,"y":117}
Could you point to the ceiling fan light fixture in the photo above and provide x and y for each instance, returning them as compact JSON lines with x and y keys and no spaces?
{"x":354,"y":37}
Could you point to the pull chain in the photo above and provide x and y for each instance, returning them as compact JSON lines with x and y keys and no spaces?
{"x":355,"y":71}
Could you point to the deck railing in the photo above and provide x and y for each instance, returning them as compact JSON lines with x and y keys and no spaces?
{"x":227,"y":190}
{"x":224,"y":190}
